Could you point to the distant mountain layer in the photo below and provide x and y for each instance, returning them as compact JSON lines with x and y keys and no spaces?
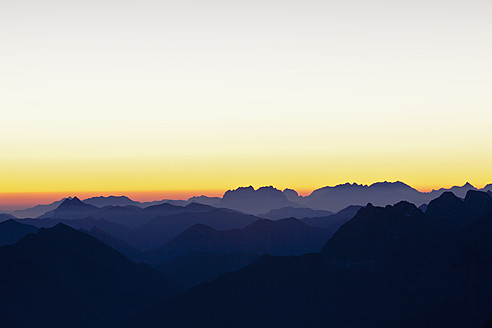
{"x":141,"y":228}
{"x":102,"y":201}
{"x":266,"y":199}
{"x":255,"y":201}
{"x":129,"y":215}
{"x":380,"y":194}
{"x":392,"y":266}
{"x":283,"y":237}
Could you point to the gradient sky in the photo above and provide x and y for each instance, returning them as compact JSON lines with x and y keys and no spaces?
{"x":203,"y":96}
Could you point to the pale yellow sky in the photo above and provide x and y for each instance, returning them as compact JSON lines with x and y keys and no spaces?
{"x":211,"y":95}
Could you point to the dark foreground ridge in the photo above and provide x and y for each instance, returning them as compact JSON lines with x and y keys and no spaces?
{"x":61,"y":277}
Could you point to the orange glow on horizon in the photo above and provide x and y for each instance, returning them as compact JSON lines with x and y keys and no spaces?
{"x":19,"y":200}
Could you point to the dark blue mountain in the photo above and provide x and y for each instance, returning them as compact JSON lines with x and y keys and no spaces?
{"x":334,"y":221}
{"x":12,"y":231}
{"x":61,"y":277}
{"x":6,"y":216}
{"x":162,"y":229}
{"x":294,"y":212}
{"x":71,"y":208}
{"x":282,"y":237}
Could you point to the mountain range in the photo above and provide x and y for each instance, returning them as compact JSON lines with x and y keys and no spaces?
{"x":392,"y":266}
{"x":197,"y":265}
{"x":265,"y":199}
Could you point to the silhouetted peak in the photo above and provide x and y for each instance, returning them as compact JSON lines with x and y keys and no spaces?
{"x":265,"y":188}
{"x":475,"y":195}
{"x":391,"y":185}
{"x":291,"y":194}
{"x":374,"y":230}
{"x":450,"y":210}
{"x":110,"y":197}
{"x":71,"y":202}
{"x":242,"y":189}
{"x":478,"y":201}
{"x":447,"y":196}
{"x":447,"y":200}
{"x":467,"y":185}
{"x":162,"y":206}
{"x":404,"y":205}
{"x":61,"y":227}
{"x":251,"y":190}
{"x":402,"y":208}
{"x":348,"y":185}
{"x":10,"y":223}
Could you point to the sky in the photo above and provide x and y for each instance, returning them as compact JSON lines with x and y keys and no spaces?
{"x":176,"y":98}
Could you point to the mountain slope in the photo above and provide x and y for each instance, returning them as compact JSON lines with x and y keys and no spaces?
{"x":61,"y":277}
{"x":282,"y":237}
{"x":12,"y":231}
{"x":164,"y":228}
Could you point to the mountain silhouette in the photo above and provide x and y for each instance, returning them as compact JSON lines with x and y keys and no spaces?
{"x":71,"y":208}
{"x":102,"y":201}
{"x":391,"y":266}
{"x":164,"y":228}
{"x":459,"y":191}
{"x":38,"y":210}
{"x":381,"y":193}
{"x":61,"y":277}
{"x":334,"y":221}
{"x":450,"y":210}
{"x":12,"y":231}
{"x":130,"y":216}
{"x":6,"y":217}
{"x":212,"y":201}
{"x":255,"y":201}
{"x":282,"y":237}
{"x":130,"y":252}
{"x":87,"y":224}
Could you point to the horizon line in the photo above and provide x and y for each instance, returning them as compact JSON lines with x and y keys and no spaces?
{"x":15,"y":200}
